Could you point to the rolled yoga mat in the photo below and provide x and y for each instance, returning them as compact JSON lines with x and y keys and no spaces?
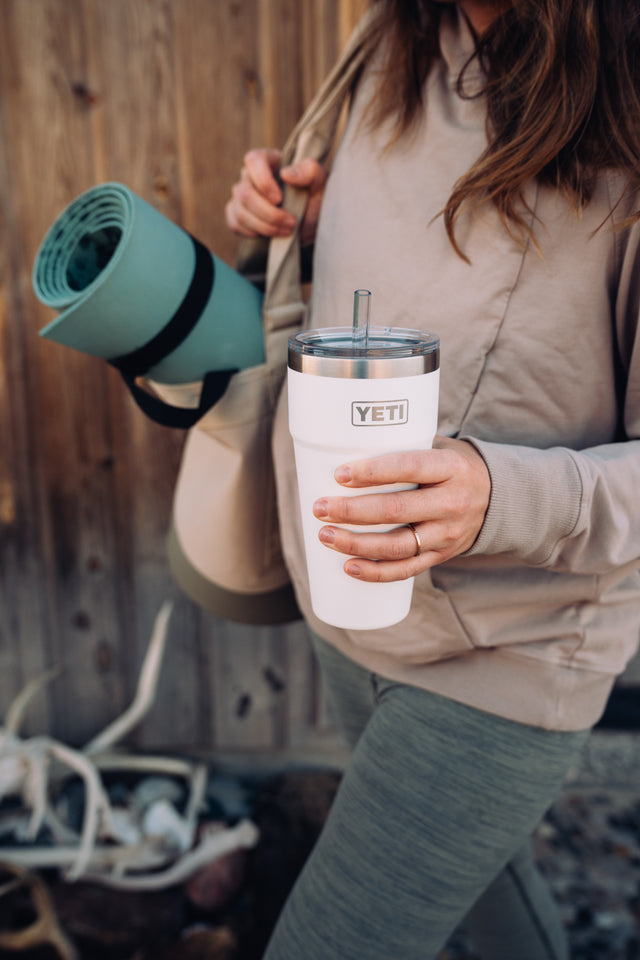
{"x":135,"y":289}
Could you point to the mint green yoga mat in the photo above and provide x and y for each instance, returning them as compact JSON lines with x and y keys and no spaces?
{"x":135,"y":289}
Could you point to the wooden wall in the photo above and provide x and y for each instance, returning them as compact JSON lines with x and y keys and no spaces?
{"x":165,"y":96}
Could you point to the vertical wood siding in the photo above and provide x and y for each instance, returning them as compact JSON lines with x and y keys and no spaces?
{"x":165,"y":96}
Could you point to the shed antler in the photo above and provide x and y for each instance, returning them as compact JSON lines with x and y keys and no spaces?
{"x":45,"y":929}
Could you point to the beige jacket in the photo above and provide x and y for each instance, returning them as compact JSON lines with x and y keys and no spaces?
{"x":540,"y":368}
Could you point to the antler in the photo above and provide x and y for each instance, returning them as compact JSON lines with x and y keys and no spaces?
{"x":45,"y":929}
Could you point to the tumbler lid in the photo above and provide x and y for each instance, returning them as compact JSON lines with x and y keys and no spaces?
{"x":389,"y":352}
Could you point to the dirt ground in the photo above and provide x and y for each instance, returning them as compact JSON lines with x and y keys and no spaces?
{"x":588,"y":846}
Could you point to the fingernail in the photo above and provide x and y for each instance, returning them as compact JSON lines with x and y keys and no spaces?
{"x":321,"y":508}
{"x":343,"y":474}
{"x":292,"y":170}
{"x":353,"y":570}
{"x":327,"y":535}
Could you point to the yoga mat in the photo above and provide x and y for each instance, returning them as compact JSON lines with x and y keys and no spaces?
{"x":132,"y":287}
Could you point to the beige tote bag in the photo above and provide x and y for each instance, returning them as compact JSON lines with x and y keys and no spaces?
{"x":224,"y":544}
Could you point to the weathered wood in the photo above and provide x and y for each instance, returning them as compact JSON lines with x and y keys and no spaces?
{"x":166,"y":96}
{"x":65,"y":480}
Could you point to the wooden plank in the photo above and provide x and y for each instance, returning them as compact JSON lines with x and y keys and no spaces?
{"x":248,"y":665}
{"x":134,"y":109}
{"x":218,"y":110}
{"x":166,"y":96}
{"x":42,"y":55}
{"x":243,"y":699}
{"x":23,"y":643}
{"x":311,"y":724}
{"x":349,"y":12}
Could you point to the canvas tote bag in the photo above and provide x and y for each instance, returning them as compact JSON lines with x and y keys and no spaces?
{"x":224,"y":545}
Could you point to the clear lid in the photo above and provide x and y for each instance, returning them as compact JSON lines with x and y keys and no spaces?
{"x":381,"y":342}
{"x":364,"y":351}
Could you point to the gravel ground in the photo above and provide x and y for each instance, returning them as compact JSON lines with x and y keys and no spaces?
{"x":588,"y":847}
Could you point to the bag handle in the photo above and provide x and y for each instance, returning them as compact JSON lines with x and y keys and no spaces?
{"x":313,"y":136}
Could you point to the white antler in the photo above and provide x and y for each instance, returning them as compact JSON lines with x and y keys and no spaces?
{"x":17,"y":708}
{"x":146,"y":690}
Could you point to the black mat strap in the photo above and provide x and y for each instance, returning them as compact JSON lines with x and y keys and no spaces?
{"x":214,"y":385}
{"x":175,"y":331}
{"x":180,"y":325}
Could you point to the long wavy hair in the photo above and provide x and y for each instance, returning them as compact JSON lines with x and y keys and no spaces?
{"x":562,"y":89}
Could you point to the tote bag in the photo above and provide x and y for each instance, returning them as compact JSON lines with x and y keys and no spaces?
{"x":224,"y":545}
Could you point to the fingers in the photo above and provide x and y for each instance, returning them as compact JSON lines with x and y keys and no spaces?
{"x":440,"y":535}
{"x":307,"y":173}
{"x":447,"y":509}
{"x":380,"y":557}
{"x":253,"y":209}
{"x":255,"y":206}
{"x":312,"y":176}
{"x":399,"y":544}
{"x":393,"y":508}
{"x":261,"y":167}
{"x":377,"y":571}
{"x":413,"y":466}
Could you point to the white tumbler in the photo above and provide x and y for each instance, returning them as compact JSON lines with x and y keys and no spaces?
{"x":356,"y":393}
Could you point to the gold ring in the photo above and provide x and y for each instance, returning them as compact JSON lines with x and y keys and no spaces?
{"x":412,"y":527}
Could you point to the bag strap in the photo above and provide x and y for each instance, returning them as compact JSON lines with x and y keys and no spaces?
{"x":313,"y":136}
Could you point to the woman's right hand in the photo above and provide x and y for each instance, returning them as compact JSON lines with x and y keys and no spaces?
{"x":254,"y":207}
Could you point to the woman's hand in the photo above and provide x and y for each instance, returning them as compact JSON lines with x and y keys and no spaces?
{"x":254,"y":207}
{"x":447,"y":510}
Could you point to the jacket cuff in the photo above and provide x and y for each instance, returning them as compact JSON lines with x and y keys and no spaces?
{"x":536,"y":498}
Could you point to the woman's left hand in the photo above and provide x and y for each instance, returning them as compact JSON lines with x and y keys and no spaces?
{"x":447,"y":509}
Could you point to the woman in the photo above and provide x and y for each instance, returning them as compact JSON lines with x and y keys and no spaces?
{"x":485,"y":189}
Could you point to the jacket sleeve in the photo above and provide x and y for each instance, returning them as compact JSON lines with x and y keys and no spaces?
{"x":576,"y":510}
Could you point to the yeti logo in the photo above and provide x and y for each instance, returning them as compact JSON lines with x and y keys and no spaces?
{"x":379,"y":414}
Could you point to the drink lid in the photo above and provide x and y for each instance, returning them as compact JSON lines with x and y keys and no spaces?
{"x":362,"y":351}
{"x":385,"y":352}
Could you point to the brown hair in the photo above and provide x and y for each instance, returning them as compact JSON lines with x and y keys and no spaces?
{"x":562,"y":88}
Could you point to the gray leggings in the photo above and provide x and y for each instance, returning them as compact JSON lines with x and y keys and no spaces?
{"x":432,"y":823}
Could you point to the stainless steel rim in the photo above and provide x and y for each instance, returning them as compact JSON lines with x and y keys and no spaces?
{"x":364,"y":368}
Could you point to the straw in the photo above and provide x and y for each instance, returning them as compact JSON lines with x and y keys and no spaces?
{"x":361,"y":311}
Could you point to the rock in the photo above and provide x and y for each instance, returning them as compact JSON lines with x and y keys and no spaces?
{"x":111,"y":924}
{"x":289,"y":811}
{"x":214,"y":887}
{"x":201,"y":943}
